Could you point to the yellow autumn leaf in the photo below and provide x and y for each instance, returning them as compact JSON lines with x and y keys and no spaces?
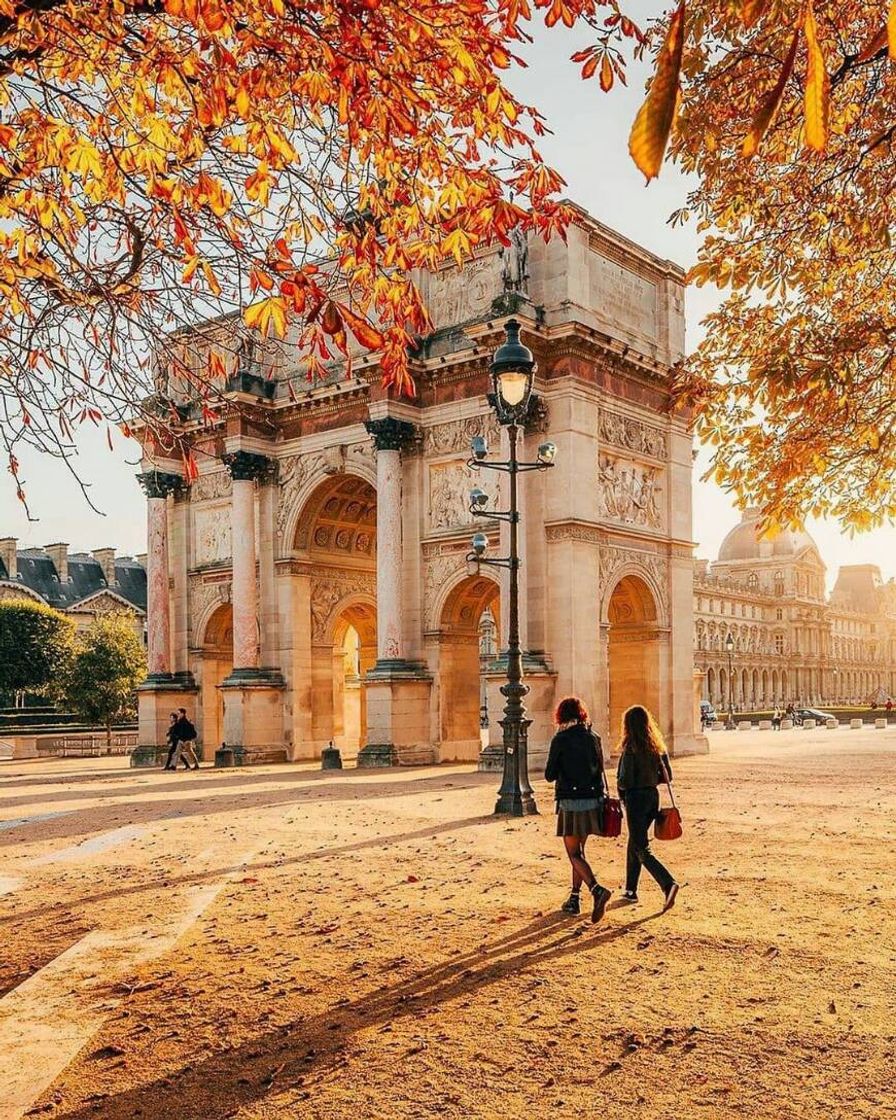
{"x":267,"y":315}
{"x":818,"y":87}
{"x":650,"y":132}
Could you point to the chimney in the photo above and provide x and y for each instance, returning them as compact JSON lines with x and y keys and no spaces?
{"x":8,"y":555}
{"x":141,"y":559}
{"x":105,"y":557}
{"x":58,"y":553}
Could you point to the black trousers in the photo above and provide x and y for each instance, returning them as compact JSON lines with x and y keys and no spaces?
{"x":641,"y":807}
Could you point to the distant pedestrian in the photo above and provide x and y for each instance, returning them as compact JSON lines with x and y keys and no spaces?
{"x":776,"y":719}
{"x":643,"y":765}
{"x":576,"y":765}
{"x":172,"y":739}
{"x":186,"y":734}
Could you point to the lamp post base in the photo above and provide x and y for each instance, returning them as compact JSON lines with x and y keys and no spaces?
{"x":516,"y":804}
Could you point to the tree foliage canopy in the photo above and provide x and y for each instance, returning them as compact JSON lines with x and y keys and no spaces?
{"x":784,"y":112}
{"x":36,"y":646}
{"x":108,"y":664}
{"x":165,"y":160}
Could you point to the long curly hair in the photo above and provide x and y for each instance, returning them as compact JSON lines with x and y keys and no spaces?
{"x":640,"y":733}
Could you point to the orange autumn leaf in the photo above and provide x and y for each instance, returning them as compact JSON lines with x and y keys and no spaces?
{"x":368,"y":336}
{"x":650,"y":132}
{"x":766,"y":112}
{"x":751,"y":10}
{"x":818,"y":86}
{"x":606,"y":74}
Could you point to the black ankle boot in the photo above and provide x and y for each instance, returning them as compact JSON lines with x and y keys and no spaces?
{"x":571,"y":906}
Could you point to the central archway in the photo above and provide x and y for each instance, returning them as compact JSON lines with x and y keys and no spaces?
{"x":633,"y":651}
{"x":336,"y":538}
{"x":461,"y":665}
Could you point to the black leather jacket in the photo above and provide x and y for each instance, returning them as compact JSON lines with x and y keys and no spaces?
{"x":575,"y":763}
{"x":638,"y":770}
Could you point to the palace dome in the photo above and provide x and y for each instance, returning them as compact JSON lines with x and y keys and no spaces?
{"x":745,"y":543}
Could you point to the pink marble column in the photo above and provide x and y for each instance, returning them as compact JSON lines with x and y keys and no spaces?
{"x":244,"y":468}
{"x":245,"y":591}
{"x":389,"y":436}
{"x":158,"y":485}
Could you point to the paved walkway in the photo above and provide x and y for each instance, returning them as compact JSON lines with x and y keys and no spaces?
{"x":279,"y":942}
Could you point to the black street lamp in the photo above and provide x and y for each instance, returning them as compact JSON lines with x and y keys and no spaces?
{"x":512,"y":372}
{"x":729,"y":646}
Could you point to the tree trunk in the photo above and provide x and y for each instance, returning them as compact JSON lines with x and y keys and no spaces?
{"x":108,"y":736}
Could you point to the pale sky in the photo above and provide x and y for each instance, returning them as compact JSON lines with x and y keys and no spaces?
{"x":589,"y":148}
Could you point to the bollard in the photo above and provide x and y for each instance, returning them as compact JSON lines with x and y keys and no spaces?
{"x":855,"y":723}
{"x":786,"y":724}
{"x":718,"y":725}
{"x":880,"y":723}
{"x":330,"y":758}
{"x":830,"y":723}
{"x":765,"y":725}
{"x":808,"y":724}
{"x":745,"y":725}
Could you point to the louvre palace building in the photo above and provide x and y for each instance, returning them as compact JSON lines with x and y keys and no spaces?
{"x":792,"y":642}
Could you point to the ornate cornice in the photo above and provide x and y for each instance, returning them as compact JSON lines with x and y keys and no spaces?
{"x":247,"y":466}
{"x":159,"y":484}
{"x":390,"y":434}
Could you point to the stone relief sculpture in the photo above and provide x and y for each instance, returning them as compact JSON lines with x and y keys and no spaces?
{"x":211,"y":486}
{"x":444,"y":439}
{"x":515,"y":262}
{"x":457,"y":296}
{"x":628,"y":492}
{"x":449,"y":495}
{"x":212,"y":534}
{"x":625,"y":431}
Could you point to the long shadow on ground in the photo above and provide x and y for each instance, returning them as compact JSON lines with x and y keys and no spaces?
{"x":279,"y":1059}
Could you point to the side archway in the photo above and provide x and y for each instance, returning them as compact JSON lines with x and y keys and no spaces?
{"x":217,"y":663}
{"x":634,"y":647}
{"x":461,"y":664}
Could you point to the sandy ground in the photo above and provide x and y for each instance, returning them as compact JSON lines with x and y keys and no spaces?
{"x":282,"y":943}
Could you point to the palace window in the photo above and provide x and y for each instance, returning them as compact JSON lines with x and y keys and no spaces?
{"x":779,"y":643}
{"x":779,"y":614}
{"x":752,"y":581}
{"x":779,"y":583}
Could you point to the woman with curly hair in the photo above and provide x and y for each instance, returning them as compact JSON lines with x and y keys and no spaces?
{"x":643,"y":764}
{"x":575,"y":763}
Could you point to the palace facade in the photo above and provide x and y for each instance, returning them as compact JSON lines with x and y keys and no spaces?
{"x":81,"y":585}
{"x":793,"y":643}
{"x":312,"y":584}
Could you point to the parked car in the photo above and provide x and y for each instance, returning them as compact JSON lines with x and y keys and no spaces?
{"x":812,"y":713}
{"x":707,"y":713}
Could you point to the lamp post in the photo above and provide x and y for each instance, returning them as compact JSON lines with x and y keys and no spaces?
{"x":729,"y":646}
{"x":512,"y":373}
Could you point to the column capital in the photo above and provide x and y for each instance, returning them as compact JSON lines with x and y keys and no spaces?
{"x":159,"y":484}
{"x":390,"y":434}
{"x":246,"y":465}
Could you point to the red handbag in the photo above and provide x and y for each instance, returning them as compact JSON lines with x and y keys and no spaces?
{"x":667,"y":825}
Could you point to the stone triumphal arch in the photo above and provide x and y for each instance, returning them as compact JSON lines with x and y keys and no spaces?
{"x":311,"y":586}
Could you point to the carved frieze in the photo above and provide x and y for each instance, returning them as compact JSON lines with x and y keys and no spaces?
{"x":629,"y":492}
{"x":455,"y":436}
{"x":458,"y":295}
{"x":293,"y":472}
{"x":574,"y":531}
{"x":635,"y":435}
{"x":208,"y":487}
{"x":328,"y":591}
{"x":212,"y":534}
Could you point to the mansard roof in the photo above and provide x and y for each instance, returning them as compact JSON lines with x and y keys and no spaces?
{"x":37,"y":573}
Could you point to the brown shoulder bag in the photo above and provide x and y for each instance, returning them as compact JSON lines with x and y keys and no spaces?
{"x":667,"y":825}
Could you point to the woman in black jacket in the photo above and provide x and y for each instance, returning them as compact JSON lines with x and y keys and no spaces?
{"x":643,"y":765}
{"x":575,"y":763}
